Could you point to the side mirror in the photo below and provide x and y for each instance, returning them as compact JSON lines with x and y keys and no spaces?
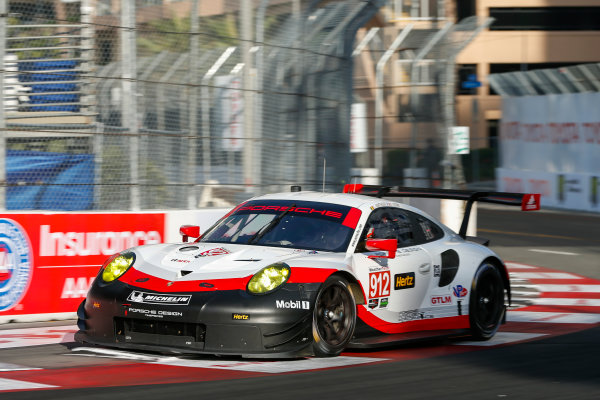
{"x":189,"y":231}
{"x":389,"y":245}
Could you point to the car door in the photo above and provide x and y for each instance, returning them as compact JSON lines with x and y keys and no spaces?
{"x":395,"y":287}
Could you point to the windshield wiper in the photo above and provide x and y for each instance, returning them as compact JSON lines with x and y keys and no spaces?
{"x":262,"y":231}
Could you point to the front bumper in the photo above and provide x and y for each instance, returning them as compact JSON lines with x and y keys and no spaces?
{"x":230,"y":322}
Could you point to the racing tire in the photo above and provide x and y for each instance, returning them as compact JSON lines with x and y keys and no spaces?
{"x":334,"y":317}
{"x":486,"y":304}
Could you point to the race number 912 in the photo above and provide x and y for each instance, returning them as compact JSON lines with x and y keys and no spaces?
{"x":379,"y":284}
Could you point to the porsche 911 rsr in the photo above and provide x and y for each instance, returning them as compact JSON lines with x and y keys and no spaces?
{"x":302,"y":274}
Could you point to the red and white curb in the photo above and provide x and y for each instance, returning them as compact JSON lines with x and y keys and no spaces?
{"x":548,"y":303}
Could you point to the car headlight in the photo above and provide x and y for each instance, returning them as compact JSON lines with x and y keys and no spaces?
{"x":116,"y":266}
{"x":269,"y":278}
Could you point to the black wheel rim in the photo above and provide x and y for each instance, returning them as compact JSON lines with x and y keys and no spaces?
{"x":333,"y":315}
{"x":489,"y":301}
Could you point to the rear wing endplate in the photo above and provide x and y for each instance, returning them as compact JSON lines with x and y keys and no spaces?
{"x":527,"y":201}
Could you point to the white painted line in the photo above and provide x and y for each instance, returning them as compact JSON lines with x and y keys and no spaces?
{"x":110,"y":353}
{"x":70,"y":266}
{"x":502,"y":338}
{"x":512,"y":265}
{"x":271,"y":367}
{"x":562,"y":253}
{"x":10,"y":338}
{"x":12,"y":384}
{"x":547,"y":301}
{"x":544,"y":275}
{"x":553,"y":317}
{"x":568,"y":288}
{"x":4,"y":367}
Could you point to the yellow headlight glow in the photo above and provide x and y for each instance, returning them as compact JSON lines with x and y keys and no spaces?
{"x":269,"y":278}
{"x":117,"y":267}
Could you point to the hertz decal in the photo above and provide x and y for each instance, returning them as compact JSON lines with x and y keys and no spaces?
{"x":404,"y":281}
{"x":240,"y":316}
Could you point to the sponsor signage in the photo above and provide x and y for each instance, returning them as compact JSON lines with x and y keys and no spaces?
{"x":443,"y":299}
{"x":458,"y":140}
{"x":157,"y":298}
{"x":404,"y":281}
{"x":48,"y":261}
{"x":460,"y":291}
{"x":291,"y":304}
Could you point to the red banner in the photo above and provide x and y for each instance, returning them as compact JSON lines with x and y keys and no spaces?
{"x":48,"y":261}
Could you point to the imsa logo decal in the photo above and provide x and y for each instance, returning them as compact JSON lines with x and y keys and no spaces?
{"x":15,"y":263}
{"x":404,"y":281}
{"x":153,"y":298}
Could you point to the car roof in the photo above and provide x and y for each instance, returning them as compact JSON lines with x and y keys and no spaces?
{"x":346,"y":199}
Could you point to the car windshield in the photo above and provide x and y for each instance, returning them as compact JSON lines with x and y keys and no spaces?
{"x":294,"y":224}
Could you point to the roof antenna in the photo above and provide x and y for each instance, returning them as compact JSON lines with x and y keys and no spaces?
{"x":324,"y":166}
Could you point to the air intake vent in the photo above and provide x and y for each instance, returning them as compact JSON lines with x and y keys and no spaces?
{"x":450,"y":263}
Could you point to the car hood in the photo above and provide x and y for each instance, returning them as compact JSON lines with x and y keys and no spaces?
{"x":193,"y":261}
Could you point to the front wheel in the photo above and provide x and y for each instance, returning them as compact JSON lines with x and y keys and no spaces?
{"x":334,"y":317}
{"x":486,"y":304}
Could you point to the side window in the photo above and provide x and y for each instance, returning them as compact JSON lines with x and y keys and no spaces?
{"x":427,"y":229}
{"x":388,"y":223}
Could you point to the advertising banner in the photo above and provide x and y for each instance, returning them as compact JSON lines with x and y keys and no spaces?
{"x":552,"y":143}
{"x":569,"y":191}
{"x":47,"y":261}
{"x":553,"y":133}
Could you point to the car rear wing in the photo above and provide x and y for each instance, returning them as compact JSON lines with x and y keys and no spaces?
{"x":527,"y":201}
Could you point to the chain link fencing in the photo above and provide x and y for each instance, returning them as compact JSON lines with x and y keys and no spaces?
{"x":163,"y":104}
{"x":181,"y":104}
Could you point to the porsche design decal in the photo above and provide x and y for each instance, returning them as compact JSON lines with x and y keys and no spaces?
{"x":155,"y":313}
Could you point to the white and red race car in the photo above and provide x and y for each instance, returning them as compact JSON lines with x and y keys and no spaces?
{"x":303,"y":274}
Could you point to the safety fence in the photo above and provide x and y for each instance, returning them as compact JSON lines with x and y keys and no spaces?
{"x":131,"y":105}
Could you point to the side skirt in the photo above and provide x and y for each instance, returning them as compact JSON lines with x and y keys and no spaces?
{"x":384,"y":340}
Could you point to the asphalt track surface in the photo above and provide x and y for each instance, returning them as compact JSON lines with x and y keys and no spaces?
{"x":561,"y":364}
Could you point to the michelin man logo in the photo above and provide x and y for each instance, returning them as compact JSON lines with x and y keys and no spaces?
{"x":15,"y":263}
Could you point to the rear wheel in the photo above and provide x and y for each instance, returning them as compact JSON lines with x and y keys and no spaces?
{"x":486,"y":304}
{"x":334,"y":317}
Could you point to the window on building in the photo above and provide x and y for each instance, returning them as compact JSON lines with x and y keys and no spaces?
{"x":545,"y":18}
{"x":467,"y":79}
{"x":464,"y":9}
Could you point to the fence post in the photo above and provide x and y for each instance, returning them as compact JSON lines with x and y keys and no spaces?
{"x":3,"y":18}
{"x":246,"y":16}
{"x":129,"y":115}
{"x":194,"y":78}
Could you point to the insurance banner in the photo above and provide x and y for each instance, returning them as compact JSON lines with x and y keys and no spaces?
{"x":47,"y":261}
